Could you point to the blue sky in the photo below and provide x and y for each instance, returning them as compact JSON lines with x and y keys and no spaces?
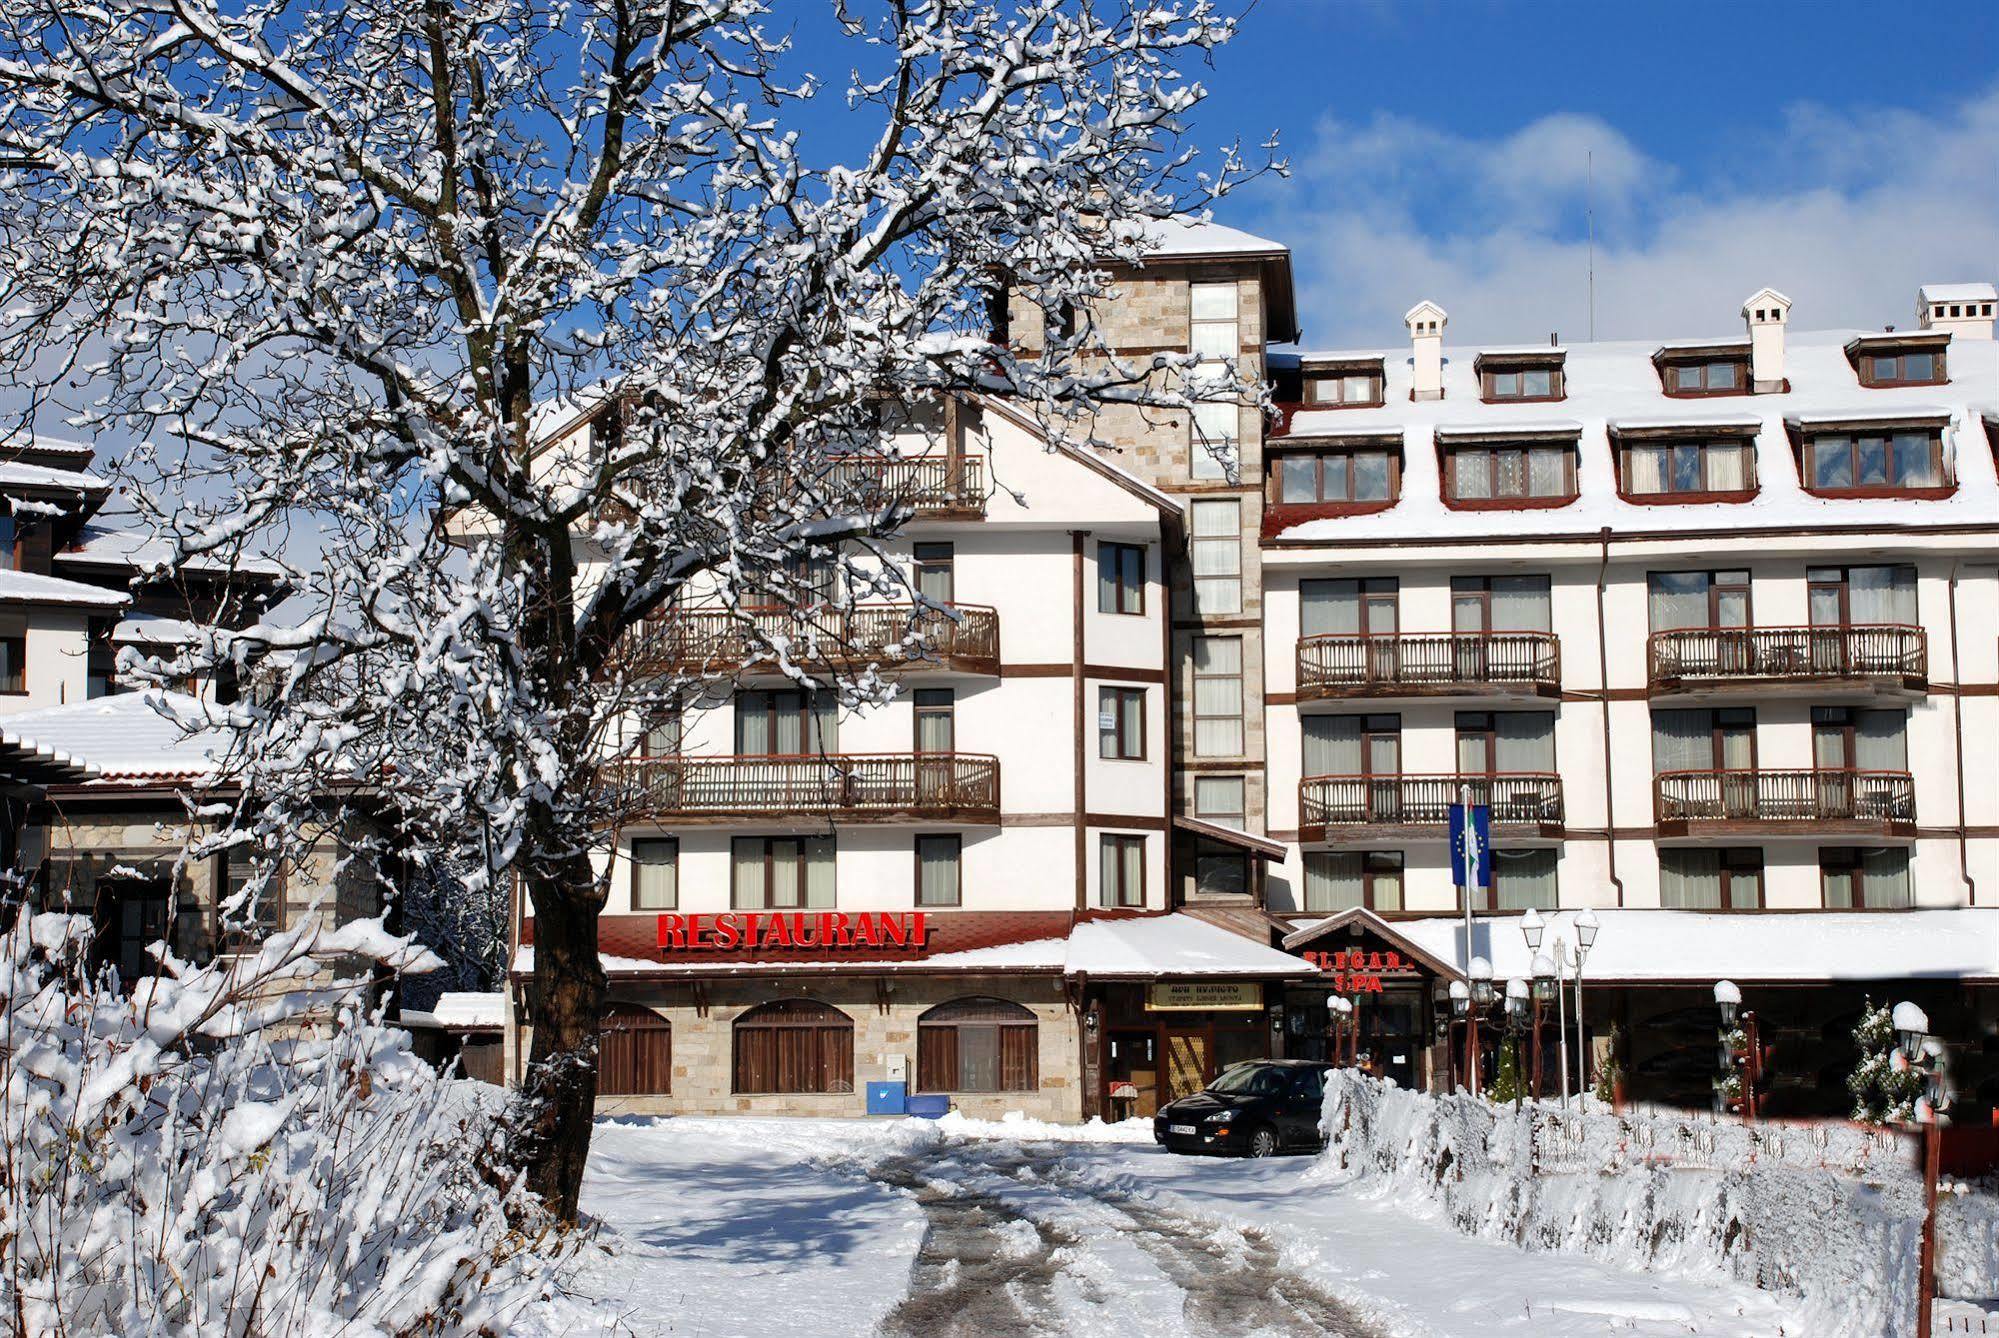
{"x":1842,"y":152}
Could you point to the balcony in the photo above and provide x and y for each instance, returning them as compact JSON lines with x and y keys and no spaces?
{"x":1872,"y":656}
{"x":847,"y":787}
{"x":892,"y":636}
{"x":936,"y":486}
{"x":1776,"y":803}
{"x":1366,"y":808}
{"x":1445,"y":664}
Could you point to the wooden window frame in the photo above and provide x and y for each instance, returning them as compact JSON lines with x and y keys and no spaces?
{"x":931,"y":1051}
{"x":1479,"y":590}
{"x":1844,"y":587}
{"x":1343,"y":459}
{"x":1121,"y":702}
{"x":929,"y":703}
{"x":958,"y":862}
{"x":1239,"y":678}
{"x":275,"y":897}
{"x":1849,"y":860}
{"x":1120,"y":841}
{"x":769,"y":844}
{"x":633,"y":859}
{"x":1374,"y":865}
{"x":1869,"y":367}
{"x":764,"y":1017}
{"x":1194,"y":541}
{"x":1808,"y":465}
{"x":1682,"y":497}
{"x":1122,"y":590}
{"x":806,"y":730}
{"x":1558,"y":383}
{"x":622,"y":1067}
{"x":1308,"y":377}
{"x":1716,"y":588}
{"x":1733,"y":861}
{"x":1524,"y":502}
{"x":932,"y":560}
{"x":1670,"y":368}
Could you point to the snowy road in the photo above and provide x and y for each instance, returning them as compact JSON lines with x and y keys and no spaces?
{"x":756,"y":1228}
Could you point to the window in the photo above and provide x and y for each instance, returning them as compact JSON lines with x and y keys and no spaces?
{"x":1910,"y":367}
{"x":10,"y":553}
{"x":1874,"y":461}
{"x":1845,"y":738}
{"x":1353,"y":745}
{"x":1213,"y":335}
{"x":1220,"y":869}
{"x":246,"y":925}
{"x":977,"y":1045}
{"x":1678,"y":600}
{"x":100,"y":671}
{"x":1220,"y":799}
{"x":655,"y":874}
{"x":1212,"y":443}
{"x":1524,"y":878}
{"x":1120,"y":578}
{"x":634,"y":1052}
{"x":1339,"y":880}
{"x":1723,"y":740}
{"x":1326,"y":389}
{"x":13,"y":653}
{"x":939,"y":869}
{"x":1663,"y":468}
{"x":1861,"y":596}
{"x":1500,"y":604}
{"x":1502,"y":474}
{"x":936,"y":712}
{"x":1505,"y":743}
{"x":1730,"y":878}
{"x":1518,"y":378}
{"x":1709,"y":376}
{"x":788,"y":723}
{"x":1217,"y":696}
{"x":660,"y":732}
{"x":794,"y":1045}
{"x":935,"y":572}
{"x":1865,"y":878}
{"x":1348,"y":606}
{"x":781,"y":872}
{"x":1121,"y":870}
{"x":1339,"y":476}
{"x":1121,"y":724}
{"x":1215,"y":550}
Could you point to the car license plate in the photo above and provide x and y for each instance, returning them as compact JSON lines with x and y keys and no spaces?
{"x":1179,"y":1128}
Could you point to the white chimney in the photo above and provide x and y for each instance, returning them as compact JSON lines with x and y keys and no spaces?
{"x":1426,"y":322}
{"x":1961,"y":310}
{"x":1766,"y":314}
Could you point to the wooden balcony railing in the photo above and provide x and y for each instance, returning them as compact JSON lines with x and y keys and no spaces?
{"x":1879,"y":801}
{"x":932,"y":484}
{"x":1714,"y":655}
{"x":893,"y":636}
{"x":1347,"y":804}
{"x":1433,"y":664}
{"x":852,"y":787}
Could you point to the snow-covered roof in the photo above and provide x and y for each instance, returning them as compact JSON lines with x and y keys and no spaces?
{"x":123,"y":737}
{"x":108,"y":547}
{"x":27,"y":587}
{"x":14,"y":474}
{"x":1618,"y":382}
{"x":1182,"y":236}
{"x":1957,"y":292}
{"x":1172,"y":945}
{"x":153,"y":629}
{"x":1659,"y":946}
{"x":460,"y":1011}
{"x":1336,"y":423}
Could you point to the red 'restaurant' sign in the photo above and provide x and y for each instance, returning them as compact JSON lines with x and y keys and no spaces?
{"x":793,"y":929}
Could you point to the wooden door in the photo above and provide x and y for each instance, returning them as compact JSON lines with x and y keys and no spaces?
{"x":1186,"y":1063}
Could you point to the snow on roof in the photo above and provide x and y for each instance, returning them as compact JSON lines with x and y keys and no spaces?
{"x":27,"y":587}
{"x":124,"y":736}
{"x":105,"y":546}
{"x":1617,"y":381}
{"x":460,"y":1011}
{"x":1184,"y":236}
{"x":1957,"y":292}
{"x":1642,"y":424}
{"x":1173,"y":945}
{"x":1522,"y":350}
{"x":1663,"y":946}
{"x":1724,"y":341}
{"x":14,"y":474}
{"x":153,"y":629}
{"x":1335,"y":423}
{"x":1545,"y":427}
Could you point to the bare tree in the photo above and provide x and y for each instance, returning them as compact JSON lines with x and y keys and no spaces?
{"x":346,"y":264}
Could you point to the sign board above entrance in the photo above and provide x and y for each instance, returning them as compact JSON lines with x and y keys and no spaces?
{"x":792,"y":929}
{"x":1219,"y":996}
{"x":1359,"y":970}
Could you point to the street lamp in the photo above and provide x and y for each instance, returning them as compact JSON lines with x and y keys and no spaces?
{"x":1912,"y":1028}
{"x":1531,"y":927}
{"x":1728,"y":998}
{"x":1544,"y":990}
{"x":1586,"y":932}
{"x":1461,"y":1010}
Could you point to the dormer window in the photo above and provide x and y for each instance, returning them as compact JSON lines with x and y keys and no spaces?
{"x":1859,"y":458}
{"x":1510,"y":376}
{"x":1691,"y":373}
{"x":1686,"y":469}
{"x":1504,"y":475}
{"x":1333,"y":389}
{"x":1362,"y":475}
{"x":1883,"y":361}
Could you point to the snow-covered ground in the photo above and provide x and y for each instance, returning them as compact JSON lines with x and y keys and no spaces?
{"x":788,"y":1228}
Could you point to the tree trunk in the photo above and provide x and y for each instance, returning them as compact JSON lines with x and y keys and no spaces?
{"x":559,"y":1093}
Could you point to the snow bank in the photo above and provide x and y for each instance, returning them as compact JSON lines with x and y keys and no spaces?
{"x":1828,"y":1214}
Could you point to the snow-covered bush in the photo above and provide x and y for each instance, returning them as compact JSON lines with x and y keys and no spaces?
{"x":241,"y":1149}
{"x":1884,"y":1091}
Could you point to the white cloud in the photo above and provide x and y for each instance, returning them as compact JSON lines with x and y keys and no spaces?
{"x":1845,"y":209}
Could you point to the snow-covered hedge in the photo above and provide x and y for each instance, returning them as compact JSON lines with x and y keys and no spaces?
{"x":240,"y":1149}
{"x":1828,"y":1214}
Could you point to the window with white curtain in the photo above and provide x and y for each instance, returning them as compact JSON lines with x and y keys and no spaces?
{"x":1213,"y":335}
{"x":1215,"y":551}
{"x":1680,"y":600}
{"x":1333,"y":744}
{"x":1865,"y":878}
{"x":1862,"y":596}
{"x":1505,"y":742}
{"x":1121,"y":870}
{"x":1346,"y":606}
{"x":939,"y":861}
{"x":1338,"y":880}
{"x":1501,"y":604}
{"x":782,"y":872}
{"x":1218,"y":696}
{"x":1847,"y":739}
{"x":1711,"y":879}
{"x":1212,"y":446}
{"x":1661,"y":468}
{"x":787,"y":723}
{"x":655,"y":873}
{"x":1220,"y":799}
{"x":1524,"y":878}
{"x":1698,"y":740}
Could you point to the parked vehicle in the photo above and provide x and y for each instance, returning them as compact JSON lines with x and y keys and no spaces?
{"x":1254,"y":1109}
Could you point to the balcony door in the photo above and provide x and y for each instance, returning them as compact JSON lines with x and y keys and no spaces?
{"x":786,"y":723}
{"x":1365,"y":752}
{"x":1357,"y":608}
{"x":1846,"y":741}
{"x":1496,"y":745}
{"x":935,"y":573}
{"x":1483,"y":605}
{"x":936,"y":740}
{"x":1679,"y":600}
{"x":1720,"y":747}
{"x":1842,"y":598}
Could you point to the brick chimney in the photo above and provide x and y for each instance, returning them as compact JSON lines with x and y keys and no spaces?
{"x":1766,"y":313}
{"x":1426,"y":322}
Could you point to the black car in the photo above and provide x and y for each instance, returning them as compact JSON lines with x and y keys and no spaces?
{"x":1254,"y":1109}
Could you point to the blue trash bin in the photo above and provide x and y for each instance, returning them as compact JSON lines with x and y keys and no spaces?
{"x":929,"y":1105}
{"x":886,"y":1098}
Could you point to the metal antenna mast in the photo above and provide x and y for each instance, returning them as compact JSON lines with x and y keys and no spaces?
{"x":1589,"y":213}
